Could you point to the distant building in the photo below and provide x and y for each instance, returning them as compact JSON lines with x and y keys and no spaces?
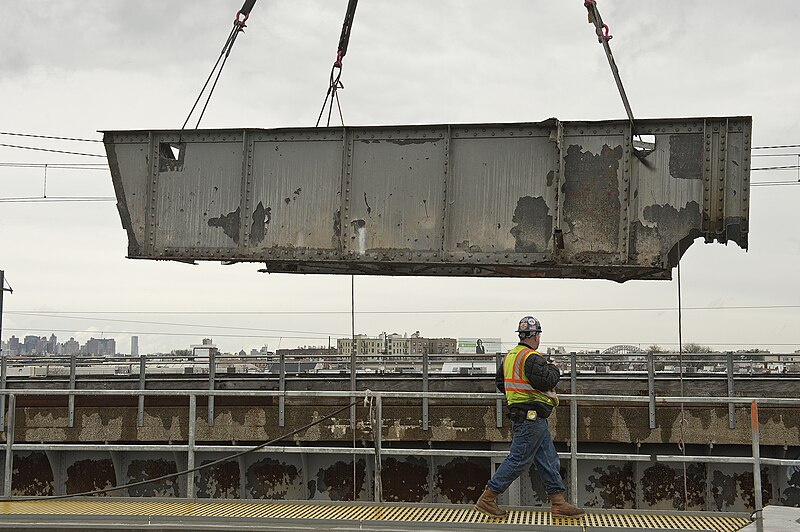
{"x":395,"y":344}
{"x":308,"y":352}
{"x":100,"y":347}
{"x":33,"y":345}
{"x":52,"y":345}
{"x":71,"y":347}
{"x":134,"y":346}
{"x":14,"y":347}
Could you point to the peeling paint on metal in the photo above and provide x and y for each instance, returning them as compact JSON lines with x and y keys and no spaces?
{"x":686,"y":156}
{"x":534,"y":225}
{"x":270,"y":479}
{"x":404,"y":480}
{"x":724,"y":489}
{"x":337,"y":480}
{"x":662,"y":484}
{"x":229,"y":223}
{"x":360,"y":227}
{"x":32,"y":475}
{"x":139,"y":470}
{"x":220,"y":481}
{"x":462,"y":480}
{"x":591,"y":197}
{"x":612,"y":487}
{"x":261,"y":218}
{"x":791,"y":495}
{"x":91,"y":475}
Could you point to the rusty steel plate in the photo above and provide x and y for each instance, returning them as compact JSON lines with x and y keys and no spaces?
{"x":547,"y":199}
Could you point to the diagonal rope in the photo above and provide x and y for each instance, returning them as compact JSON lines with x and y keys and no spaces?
{"x":238,"y":27}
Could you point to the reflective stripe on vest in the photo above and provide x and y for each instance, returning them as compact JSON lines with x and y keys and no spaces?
{"x":518,"y":389}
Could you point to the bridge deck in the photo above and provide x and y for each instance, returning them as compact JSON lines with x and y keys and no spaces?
{"x":283,"y":515}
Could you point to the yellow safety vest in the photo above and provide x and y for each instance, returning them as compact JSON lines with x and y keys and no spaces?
{"x":518,"y":389}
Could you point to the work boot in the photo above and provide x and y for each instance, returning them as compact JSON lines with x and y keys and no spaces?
{"x":561,"y":507}
{"x":487,"y":504}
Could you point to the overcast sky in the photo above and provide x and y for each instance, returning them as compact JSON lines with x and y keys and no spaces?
{"x":72,"y":68}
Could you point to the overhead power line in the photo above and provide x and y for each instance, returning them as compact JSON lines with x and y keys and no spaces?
{"x":51,"y":150}
{"x":58,"y":199}
{"x":432,"y":311}
{"x":48,"y":137}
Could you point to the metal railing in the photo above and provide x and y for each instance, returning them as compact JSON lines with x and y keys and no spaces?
{"x":656,"y":367}
{"x":377,"y":451}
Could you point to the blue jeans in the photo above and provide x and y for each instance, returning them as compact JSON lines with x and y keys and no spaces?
{"x":531,"y":443}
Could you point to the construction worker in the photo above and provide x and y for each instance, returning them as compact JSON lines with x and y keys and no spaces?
{"x":529,"y":382}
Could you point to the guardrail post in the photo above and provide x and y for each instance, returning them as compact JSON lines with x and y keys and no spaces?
{"x":425,"y":390}
{"x":71,"y":406}
{"x":731,"y":406}
{"x":3,"y":379}
{"x":282,"y":388}
{"x":142,"y":386}
{"x":573,"y":429}
{"x":190,"y":488}
{"x":757,"y":467}
{"x":651,"y":389}
{"x":377,"y":430}
{"x":212,"y":371}
{"x":12,"y":403}
{"x":498,"y":405}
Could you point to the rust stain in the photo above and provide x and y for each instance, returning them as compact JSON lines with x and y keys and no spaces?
{"x":220,"y":481}
{"x":91,"y":475}
{"x":591,"y":201}
{"x":613,"y":487}
{"x":270,"y":479}
{"x":229,"y":223}
{"x":791,"y":495}
{"x":534,"y":225}
{"x":462,"y":480}
{"x":32,"y":475}
{"x":661,"y":483}
{"x":139,"y":470}
{"x":337,"y":480}
{"x":686,"y":156}
{"x":404,"y":480}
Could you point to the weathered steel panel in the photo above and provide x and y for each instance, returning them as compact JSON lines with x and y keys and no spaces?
{"x":548,"y":199}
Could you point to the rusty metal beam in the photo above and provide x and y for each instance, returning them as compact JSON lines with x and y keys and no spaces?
{"x":547,"y":199}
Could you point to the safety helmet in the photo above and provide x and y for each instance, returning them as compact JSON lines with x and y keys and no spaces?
{"x":529,"y":325}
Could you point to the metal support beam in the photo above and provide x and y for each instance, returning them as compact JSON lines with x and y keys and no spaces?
{"x":142,"y":386}
{"x":573,"y":430}
{"x":71,"y":406}
{"x":651,"y":390}
{"x":9,"y":465}
{"x":282,"y":388}
{"x":3,"y":378}
{"x":377,"y":431}
{"x":433,"y":223}
{"x":212,"y":372}
{"x":731,"y":406}
{"x":498,"y":404}
{"x":425,"y":390}
{"x":190,"y":484}
{"x":757,"y":468}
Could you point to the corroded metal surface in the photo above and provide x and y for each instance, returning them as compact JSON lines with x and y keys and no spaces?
{"x":548,"y":199}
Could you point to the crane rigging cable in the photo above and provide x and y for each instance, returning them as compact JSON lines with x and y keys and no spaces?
{"x":603,"y":37}
{"x":238,"y":27}
{"x":335,"y":82}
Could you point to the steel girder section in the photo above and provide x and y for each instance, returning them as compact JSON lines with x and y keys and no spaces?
{"x":548,"y":199}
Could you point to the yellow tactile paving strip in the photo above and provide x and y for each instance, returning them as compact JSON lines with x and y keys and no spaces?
{"x":346,"y":512}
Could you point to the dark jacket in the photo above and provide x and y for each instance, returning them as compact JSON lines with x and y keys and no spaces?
{"x":541,"y":375}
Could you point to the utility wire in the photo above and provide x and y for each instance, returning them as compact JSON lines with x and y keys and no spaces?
{"x":58,"y":199}
{"x":432,"y":311}
{"x":48,"y":137}
{"x":198,"y":468}
{"x":50,"y":150}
